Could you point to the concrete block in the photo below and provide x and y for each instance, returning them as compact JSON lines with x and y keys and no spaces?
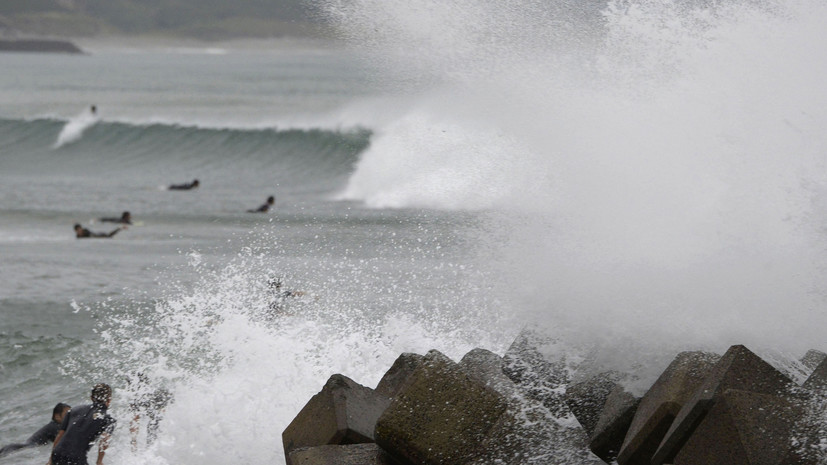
{"x":353,"y":454}
{"x":531,"y":435}
{"x":813,"y":358}
{"x":740,"y":369}
{"x":539,"y":377}
{"x":527,"y":433}
{"x":818,"y":379}
{"x":393,"y":380}
{"x":660,"y":405}
{"x":486,"y":367}
{"x":810,"y":434}
{"x":343,"y":412}
{"x":613,"y":422}
{"x":743,"y":428}
{"x":587,"y":398}
{"x":441,"y":416}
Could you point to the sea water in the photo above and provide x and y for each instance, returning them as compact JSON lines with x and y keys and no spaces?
{"x":635,"y":177}
{"x":183,"y":295}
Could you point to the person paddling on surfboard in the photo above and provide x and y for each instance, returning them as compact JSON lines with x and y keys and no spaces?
{"x":184,"y":187}
{"x":83,"y":233}
{"x":126,"y":218}
{"x":265,"y":206}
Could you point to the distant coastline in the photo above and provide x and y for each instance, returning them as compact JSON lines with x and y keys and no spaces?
{"x":39,"y":46}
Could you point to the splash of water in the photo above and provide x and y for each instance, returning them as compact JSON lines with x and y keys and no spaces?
{"x":245,"y":367}
{"x":75,"y":127}
{"x":656,"y":178}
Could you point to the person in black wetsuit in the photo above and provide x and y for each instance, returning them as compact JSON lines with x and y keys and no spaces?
{"x":83,"y":233}
{"x":184,"y":187}
{"x":147,"y":402}
{"x":43,"y":436}
{"x":81,"y":427}
{"x":126,"y":218}
{"x":265,"y":206}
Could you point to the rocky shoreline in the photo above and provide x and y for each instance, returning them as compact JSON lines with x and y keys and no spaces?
{"x":39,"y":46}
{"x":525,"y":408}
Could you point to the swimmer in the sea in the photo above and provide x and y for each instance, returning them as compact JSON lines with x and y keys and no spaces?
{"x":81,"y":427}
{"x":83,"y":233}
{"x":279,"y":303}
{"x":43,"y":436}
{"x":265,"y":206}
{"x":126,"y":218}
{"x":184,"y":187}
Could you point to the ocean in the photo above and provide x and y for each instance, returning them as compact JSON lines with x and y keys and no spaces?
{"x":635,"y":178}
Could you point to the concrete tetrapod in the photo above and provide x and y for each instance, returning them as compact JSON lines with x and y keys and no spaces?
{"x":343,"y":412}
{"x":739,"y":368}
{"x":440,"y":417}
{"x":661,"y":403}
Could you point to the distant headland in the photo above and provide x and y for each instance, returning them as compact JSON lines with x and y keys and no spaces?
{"x":39,"y":45}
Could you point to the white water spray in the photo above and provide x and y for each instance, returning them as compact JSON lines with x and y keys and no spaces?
{"x":656,"y":179}
{"x":75,"y":127}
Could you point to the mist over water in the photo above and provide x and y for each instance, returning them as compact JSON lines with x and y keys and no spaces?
{"x":654,"y":171}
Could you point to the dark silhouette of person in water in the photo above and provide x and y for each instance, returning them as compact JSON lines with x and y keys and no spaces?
{"x":265,"y":206}
{"x":81,"y":427}
{"x":184,"y":187}
{"x":126,"y":218}
{"x":93,"y":109}
{"x":83,"y":233}
{"x":43,"y":436}
{"x":147,"y":402}
{"x":279,"y":302}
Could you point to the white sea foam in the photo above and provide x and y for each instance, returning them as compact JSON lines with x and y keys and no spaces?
{"x":240,"y":372}
{"x":656,"y":184}
{"x":75,"y":127}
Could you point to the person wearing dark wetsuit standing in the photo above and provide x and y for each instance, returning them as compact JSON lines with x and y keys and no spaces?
{"x":126,"y":218}
{"x":83,"y":233}
{"x":265,"y":206}
{"x":82,"y":427}
{"x":43,"y":436}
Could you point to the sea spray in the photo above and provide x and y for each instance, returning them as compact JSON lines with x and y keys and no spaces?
{"x":74,"y":128}
{"x":240,"y":368}
{"x":674,"y":155}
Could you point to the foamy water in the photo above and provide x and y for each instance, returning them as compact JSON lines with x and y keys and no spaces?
{"x":660,"y":178}
{"x":74,"y":129}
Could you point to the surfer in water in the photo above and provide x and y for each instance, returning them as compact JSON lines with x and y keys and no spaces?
{"x":147,"y":402}
{"x":265,"y":206}
{"x":83,"y":233}
{"x":125,"y":218}
{"x":184,"y":187}
{"x":81,"y":427}
{"x":43,"y":436}
{"x":280,"y":297}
